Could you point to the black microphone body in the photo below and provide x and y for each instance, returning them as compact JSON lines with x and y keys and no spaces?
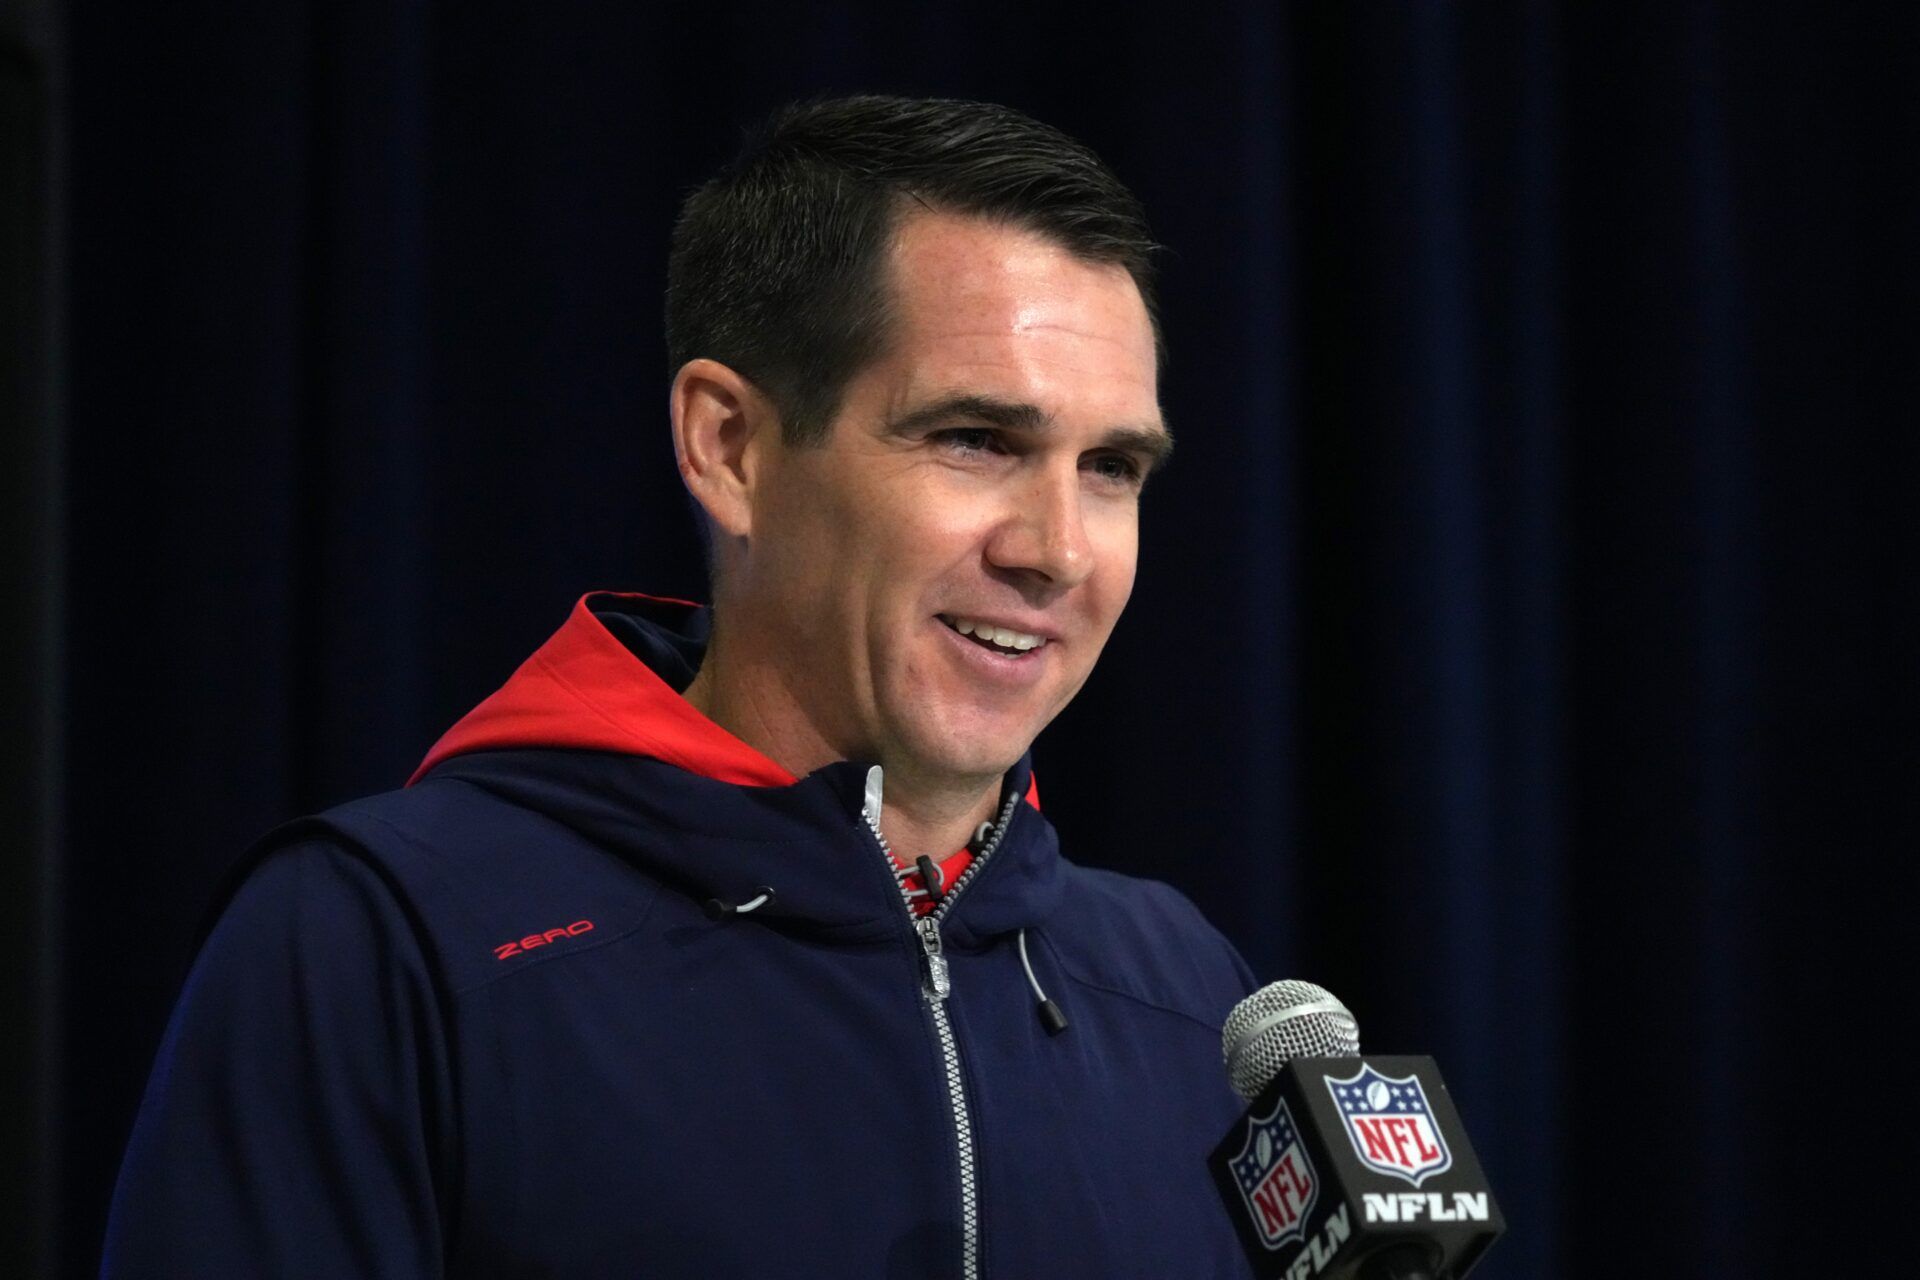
{"x":1344,"y":1167}
{"x":1356,"y":1169}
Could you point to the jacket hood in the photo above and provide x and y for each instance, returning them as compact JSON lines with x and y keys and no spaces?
{"x":609,"y":680}
{"x":592,"y":732}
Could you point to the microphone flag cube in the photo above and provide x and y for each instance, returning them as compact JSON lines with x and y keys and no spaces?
{"x":1355,"y":1168}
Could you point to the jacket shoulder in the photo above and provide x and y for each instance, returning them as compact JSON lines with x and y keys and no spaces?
{"x":1144,"y":940}
{"x":309,"y":1010}
{"x":491,"y":886}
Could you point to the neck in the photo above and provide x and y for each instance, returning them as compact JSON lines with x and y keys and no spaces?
{"x":937,"y":821}
{"x":920,"y":813}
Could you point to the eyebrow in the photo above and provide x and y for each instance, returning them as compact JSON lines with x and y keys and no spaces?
{"x":1154,"y":443}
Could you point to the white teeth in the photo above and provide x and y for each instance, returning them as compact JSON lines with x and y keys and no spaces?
{"x":1002,"y":636}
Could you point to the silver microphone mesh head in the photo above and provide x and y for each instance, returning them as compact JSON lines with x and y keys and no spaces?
{"x":1278,"y":1023}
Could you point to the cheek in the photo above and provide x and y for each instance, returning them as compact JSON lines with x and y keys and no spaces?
{"x":811,"y":536}
{"x":1117,"y":546}
{"x":928,"y":548}
{"x":880,"y":560}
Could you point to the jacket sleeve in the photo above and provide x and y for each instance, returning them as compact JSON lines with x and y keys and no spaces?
{"x":297,"y":1117}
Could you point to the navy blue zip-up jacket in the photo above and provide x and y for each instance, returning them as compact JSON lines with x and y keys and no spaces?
{"x":483,"y":1026}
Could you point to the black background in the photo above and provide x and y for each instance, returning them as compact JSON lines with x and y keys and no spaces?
{"x":1525,"y":643}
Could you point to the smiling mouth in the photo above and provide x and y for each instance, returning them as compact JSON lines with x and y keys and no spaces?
{"x":1000,"y":640}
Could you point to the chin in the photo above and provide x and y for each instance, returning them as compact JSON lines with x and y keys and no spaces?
{"x":956,"y":733}
{"x":966,"y":755}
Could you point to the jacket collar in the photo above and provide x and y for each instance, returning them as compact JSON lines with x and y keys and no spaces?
{"x":592,"y":730}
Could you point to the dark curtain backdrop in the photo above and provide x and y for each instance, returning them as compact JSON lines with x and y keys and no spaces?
{"x":1525,"y":644}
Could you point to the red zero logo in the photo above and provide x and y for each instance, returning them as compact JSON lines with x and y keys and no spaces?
{"x":533,"y":940}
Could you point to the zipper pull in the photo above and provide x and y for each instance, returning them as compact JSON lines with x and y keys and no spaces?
{"x":939,"y":981}
{"x":870,"y":801}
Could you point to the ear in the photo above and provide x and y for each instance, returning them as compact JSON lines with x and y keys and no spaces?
{"x":721,"y":422}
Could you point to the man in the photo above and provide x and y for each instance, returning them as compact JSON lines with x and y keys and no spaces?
{"x":751,"y":953}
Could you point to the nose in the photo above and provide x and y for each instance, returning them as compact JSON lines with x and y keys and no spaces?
{"x":1045,"y":532}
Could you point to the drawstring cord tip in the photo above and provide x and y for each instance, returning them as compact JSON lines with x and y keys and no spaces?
{"x":1050,"y":1016}
{"x":932,"y":877}
{"x":719,"y":909}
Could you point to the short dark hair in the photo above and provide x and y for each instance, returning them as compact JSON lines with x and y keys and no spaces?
{"x":777,"y":263}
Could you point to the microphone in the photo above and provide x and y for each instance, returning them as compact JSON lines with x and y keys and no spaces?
{"x":1344,"y":1167}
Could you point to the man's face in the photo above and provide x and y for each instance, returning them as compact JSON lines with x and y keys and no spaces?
{"x":983,"y":473}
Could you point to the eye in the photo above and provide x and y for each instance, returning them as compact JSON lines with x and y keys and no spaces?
{"x":969,"y":440}
{"x":1116,"y":467}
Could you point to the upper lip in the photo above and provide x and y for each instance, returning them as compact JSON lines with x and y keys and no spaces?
{"x":1045,"y":632}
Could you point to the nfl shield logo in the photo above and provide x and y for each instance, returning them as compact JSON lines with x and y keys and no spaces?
{"x":1390,"y":1124}
{"x":1275,"y":1178}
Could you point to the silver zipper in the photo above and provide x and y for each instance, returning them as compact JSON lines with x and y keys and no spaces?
{"x":937,"y":987}
{"x":939,"y":980}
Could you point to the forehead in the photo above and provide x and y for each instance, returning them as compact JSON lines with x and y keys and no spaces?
{"x":981,"y":305}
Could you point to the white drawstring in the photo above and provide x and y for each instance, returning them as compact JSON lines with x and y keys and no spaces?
{"x":1050,"y":1015}
{"x":720,"y":909}
{"x":1027,"y":964}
